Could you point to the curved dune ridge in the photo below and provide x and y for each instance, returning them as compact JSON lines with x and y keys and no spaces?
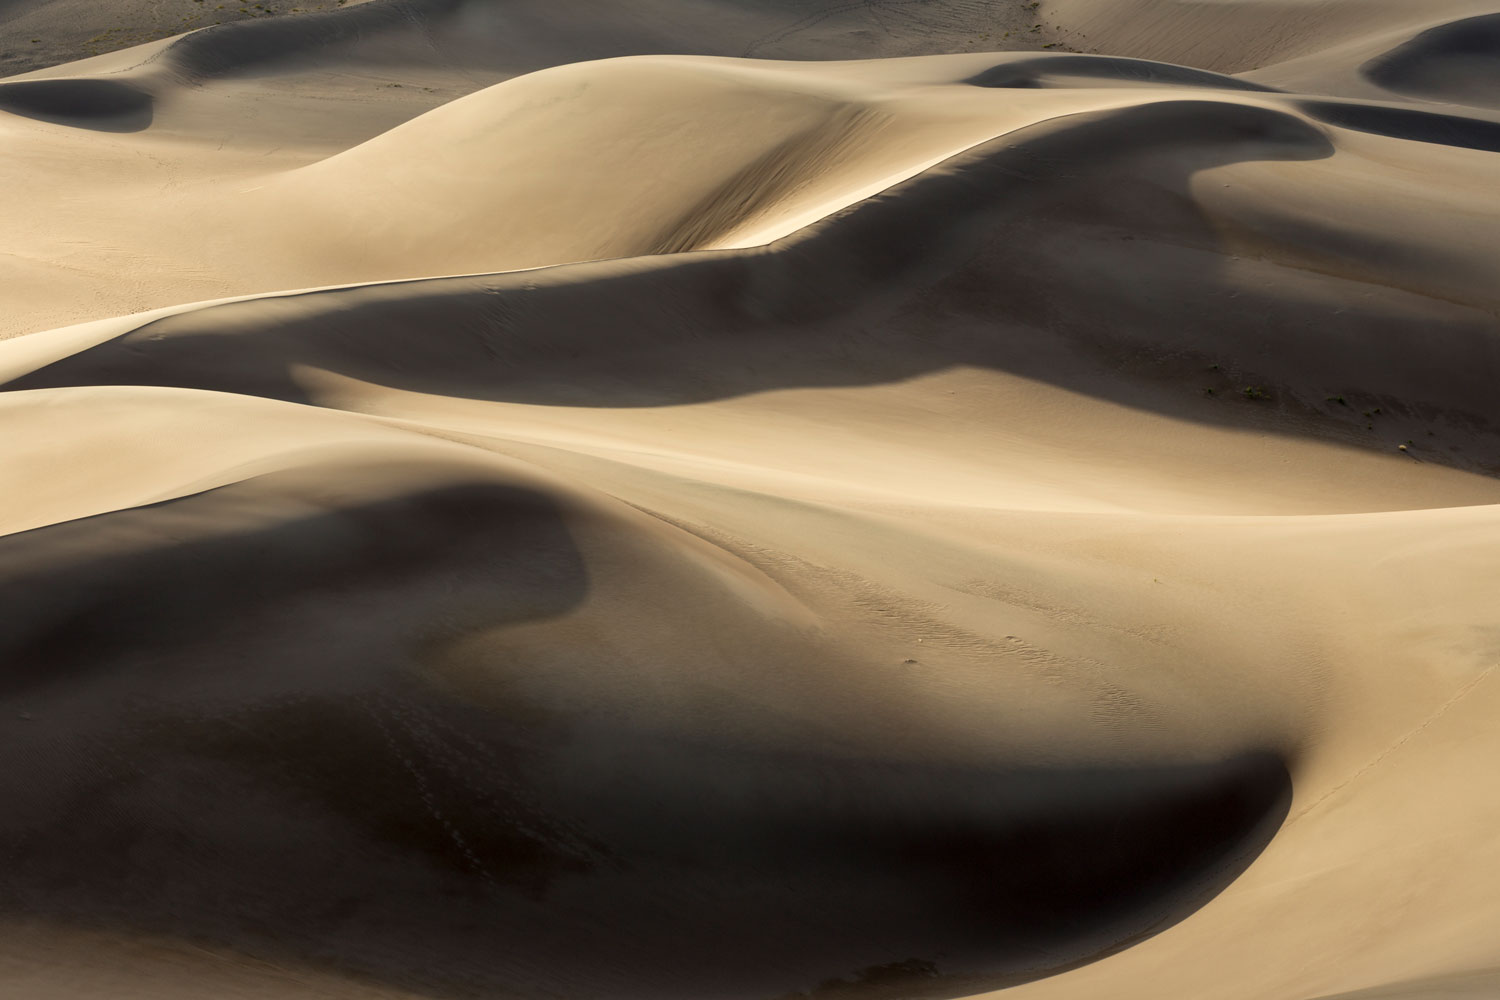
{"x":754,"y":500}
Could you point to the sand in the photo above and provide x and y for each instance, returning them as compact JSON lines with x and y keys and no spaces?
{"x":751,"y":500}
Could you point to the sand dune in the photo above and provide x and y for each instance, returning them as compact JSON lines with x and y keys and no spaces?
{"x":1241,"y":35}
{"x":752,"y":500}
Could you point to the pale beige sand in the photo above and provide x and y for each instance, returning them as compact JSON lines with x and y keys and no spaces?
{"x":679,"y":525}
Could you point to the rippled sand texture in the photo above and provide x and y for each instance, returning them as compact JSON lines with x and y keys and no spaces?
{"x":752,"y":500}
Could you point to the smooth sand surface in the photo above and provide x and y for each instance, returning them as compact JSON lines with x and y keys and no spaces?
{"x":702,"y":501}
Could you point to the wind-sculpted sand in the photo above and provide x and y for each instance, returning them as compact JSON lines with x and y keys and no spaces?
{"x":753,"y":501}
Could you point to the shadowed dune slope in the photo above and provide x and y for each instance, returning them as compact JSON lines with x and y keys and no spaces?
{"x":99,"y":104}
{"x":1457,"y":62}
{"x":357,"y":773}
{"x":1232,"y":36}
{"x":688,"y":526}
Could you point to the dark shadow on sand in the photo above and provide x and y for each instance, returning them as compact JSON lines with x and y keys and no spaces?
{"x":1413,"y":124}
{"x":1062,"y":70}
{"x":1458,"y":61}
{"x":98,"y":105}
{"x":222,"y":727}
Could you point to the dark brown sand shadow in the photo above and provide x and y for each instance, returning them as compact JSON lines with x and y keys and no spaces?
{"x":99,"y":105}
{"x":1412,"y":124}
{"x":1066,"y":70}
{"x":1454,"y":62}
{"x":222,"y":727}
{"x":414,"y":840}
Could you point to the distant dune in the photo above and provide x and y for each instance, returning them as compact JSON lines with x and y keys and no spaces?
{"x":751,"y":500}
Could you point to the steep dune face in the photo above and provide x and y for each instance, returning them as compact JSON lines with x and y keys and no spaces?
{"x":348,"y":762}
{"x":691,"y":526}
{"x":1457,"y":62}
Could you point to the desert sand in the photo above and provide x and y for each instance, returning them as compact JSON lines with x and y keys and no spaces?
{"x":748,"y":500}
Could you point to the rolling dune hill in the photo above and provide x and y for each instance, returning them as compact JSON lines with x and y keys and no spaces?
{"x":751,"y":500}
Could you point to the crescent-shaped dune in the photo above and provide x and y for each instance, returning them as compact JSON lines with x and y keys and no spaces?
{"x":751,"y":500}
